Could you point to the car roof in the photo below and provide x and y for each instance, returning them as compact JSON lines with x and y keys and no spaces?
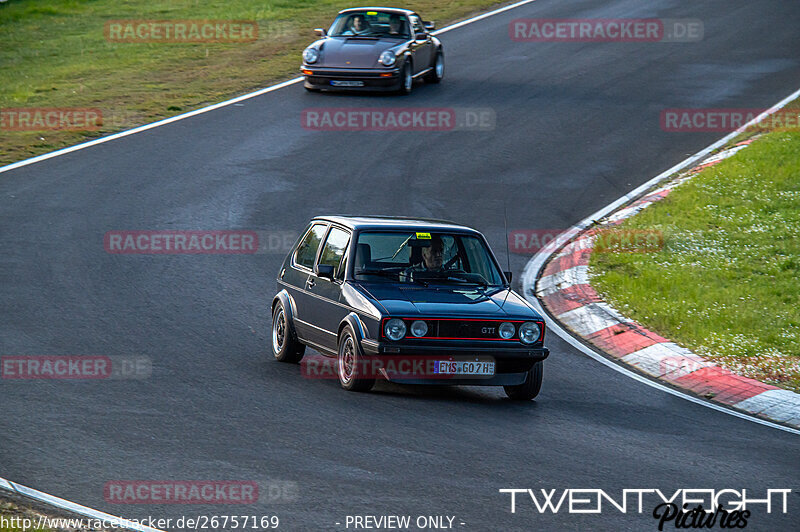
{"x":395,"y":222}
{"x":397,"y":10}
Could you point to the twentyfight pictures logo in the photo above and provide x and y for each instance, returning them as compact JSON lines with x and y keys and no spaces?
{"x":685,"y":508}
{"x":74,"y":367}
{"x":397,"y":119}
{"x":605,"y":30}
{"x":181,"y":31}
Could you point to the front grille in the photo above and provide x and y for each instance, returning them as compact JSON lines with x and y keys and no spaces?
{"x":483,"y":330}
{"x":461,"y":329}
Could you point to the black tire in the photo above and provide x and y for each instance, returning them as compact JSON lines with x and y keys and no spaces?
{"x":528,"y":389}
{"x":437,"y":73}
{"x":284,"y":347}
{"x":406,"y":78}
{"x":349,"y":364}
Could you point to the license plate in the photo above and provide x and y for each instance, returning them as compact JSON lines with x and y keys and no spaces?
{"x":346,"y":83}
{"x":463,"y":367}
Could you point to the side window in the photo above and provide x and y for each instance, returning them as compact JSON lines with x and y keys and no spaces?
{"x":307,"y":250}
{"x":334,"y":250}
{"x":416,"y":23}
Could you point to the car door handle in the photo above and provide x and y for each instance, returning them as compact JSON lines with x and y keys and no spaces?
{"x":310,"y":282}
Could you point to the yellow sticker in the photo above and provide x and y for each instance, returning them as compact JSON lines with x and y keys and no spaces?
{"x":372,"y":12}
{"x":423,"y":236}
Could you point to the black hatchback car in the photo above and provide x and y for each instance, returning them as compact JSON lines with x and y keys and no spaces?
{"x":409,"y":300}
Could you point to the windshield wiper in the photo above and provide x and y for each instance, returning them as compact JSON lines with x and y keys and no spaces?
{"x":382,"y":273}
{"x":402,"y":246}
{"x":456,"y":277}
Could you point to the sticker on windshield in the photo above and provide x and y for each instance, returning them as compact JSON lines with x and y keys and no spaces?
{"x":423,"y":236}
{"x":372,"y":13}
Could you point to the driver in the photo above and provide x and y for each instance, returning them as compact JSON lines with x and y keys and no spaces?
{"x":358,"y":25}
{"x":432,"y":259}
{"x":395,"y":24}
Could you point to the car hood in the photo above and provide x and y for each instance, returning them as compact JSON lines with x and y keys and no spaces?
{"x":414,"y":300}
{"x":361,"y":53}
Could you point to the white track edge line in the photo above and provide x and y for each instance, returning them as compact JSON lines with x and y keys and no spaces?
{"x":165,"y":121}
{"x":73,"y":507}
{"x":533,"y":267}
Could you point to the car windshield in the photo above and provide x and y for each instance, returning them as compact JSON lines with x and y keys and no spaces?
{"x":425,"y":257}
{"x":375,"y":24}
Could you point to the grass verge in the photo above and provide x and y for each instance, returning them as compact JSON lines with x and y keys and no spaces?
{"x":726,"y":283}
{"x":56,"y":54}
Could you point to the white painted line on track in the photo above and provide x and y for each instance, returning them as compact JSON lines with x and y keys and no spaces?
{"x":535,"y":265}
{"x":72,"y":507}
{"x":225,"y":103}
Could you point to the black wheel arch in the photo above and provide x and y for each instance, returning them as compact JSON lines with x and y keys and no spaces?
{"x":357,"y":326}
{"x":288,"y":308}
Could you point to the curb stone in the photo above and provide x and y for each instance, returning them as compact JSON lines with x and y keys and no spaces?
{"x":564,"y":289}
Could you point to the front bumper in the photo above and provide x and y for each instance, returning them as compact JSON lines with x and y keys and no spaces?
{"x":511,"y":363}
{"x":372,"y":79}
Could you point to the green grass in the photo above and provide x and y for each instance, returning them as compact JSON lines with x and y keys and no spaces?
{"x":727,"y":282}
{"x":55,"y":54}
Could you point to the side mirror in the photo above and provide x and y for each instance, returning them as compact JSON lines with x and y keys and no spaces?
{"x":429,"y":26}
{"x":508,"y":276}
{"x":320,"y":32}
{"x":325,"y":271}
{"x":420,"y":35}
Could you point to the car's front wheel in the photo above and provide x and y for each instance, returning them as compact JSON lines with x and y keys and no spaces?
{"x":528,"y":389}
{"x":350,"y":365}
{"x":406,"y":78}
{"x":284,"y":347}
{"x":437,"y":72}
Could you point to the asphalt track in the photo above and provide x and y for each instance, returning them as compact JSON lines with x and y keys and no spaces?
{"x":577,"y":126}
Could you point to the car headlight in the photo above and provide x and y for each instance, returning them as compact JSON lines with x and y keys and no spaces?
{"x":395,"y":329}
{"x":310,"y":55}
{"x":387,"y":58}
{"x":506,"y":330}
{"x":419,"y":328}
{"x":529,"y":332}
